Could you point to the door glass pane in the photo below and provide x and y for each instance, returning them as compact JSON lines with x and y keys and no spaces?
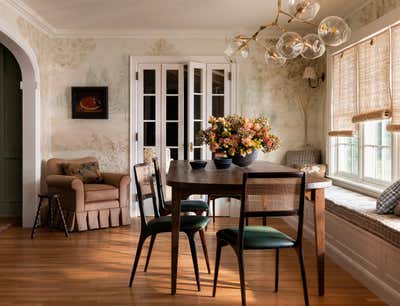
{"x":174,"y":153}
{"x":218,"y":83}
{"x":197,"y":128}
{"x":149,"y":81}
{"x":218,"y":106}
{"x":149,"y":137}
{"x":172,"y":81}
{"x":172,"y":107}
{"x":172,"y":134}
{"x":197,"y":107}
{"x":197,"y":153}
{"x":197,"y":80}
{"x":149,"y":108}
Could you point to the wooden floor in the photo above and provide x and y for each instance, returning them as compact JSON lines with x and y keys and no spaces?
{"x":92,"y":268}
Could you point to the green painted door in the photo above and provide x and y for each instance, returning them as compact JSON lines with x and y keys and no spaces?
{"x":10,"y":135}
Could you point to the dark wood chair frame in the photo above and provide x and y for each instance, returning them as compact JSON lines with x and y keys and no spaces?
{"x":164,"y":211}
{"x":145,"y":231}
{"x":239,"y":247}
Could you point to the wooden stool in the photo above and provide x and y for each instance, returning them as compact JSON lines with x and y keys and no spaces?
{"x":50,"y":198}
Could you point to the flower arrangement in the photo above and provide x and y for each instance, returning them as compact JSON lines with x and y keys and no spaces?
{"x":237,"y":135}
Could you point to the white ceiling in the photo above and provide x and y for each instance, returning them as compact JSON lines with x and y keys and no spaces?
{"x":125,"y":16}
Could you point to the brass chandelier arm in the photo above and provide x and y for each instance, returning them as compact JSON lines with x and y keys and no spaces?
{"x":245,"y":41}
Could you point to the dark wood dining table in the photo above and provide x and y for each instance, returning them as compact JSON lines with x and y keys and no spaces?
{"x":186,"y":182}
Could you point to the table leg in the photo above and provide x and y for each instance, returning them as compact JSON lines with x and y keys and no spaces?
{"x":176,"y":212}
{"x":319,"y":221}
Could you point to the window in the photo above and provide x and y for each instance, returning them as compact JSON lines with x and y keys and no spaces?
{"x":365,"y":110}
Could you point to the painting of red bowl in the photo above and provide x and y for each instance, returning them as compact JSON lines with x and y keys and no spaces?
{"x":89,"y":103}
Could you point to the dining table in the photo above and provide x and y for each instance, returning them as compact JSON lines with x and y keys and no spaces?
{"x":185,"y":181}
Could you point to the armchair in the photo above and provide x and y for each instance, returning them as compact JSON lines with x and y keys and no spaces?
{"x":90,"y":206}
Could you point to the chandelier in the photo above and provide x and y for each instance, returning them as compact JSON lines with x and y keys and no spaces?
{"x":332,"y":31}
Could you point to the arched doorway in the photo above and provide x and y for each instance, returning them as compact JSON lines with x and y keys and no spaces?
{"x":10,"y":135}
{"x":26,"y":58}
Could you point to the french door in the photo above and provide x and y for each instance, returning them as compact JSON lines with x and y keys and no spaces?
{"x":174,"y":102}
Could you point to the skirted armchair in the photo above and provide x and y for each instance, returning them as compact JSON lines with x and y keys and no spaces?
{"x":89,"y":205}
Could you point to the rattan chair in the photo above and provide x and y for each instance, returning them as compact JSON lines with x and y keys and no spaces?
{"x":190,"y":225}
{"x":266,"y":195}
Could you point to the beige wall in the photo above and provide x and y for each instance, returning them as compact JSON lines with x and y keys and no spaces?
{"x":270,"y":90}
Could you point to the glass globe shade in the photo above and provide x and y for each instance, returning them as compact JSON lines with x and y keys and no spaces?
{"x":313,"y":47}
{"x":305,"y":10}
{"x":273,"y":57}
{"x":334,"y":31}
{"x":233,"y":52}
{"x":290,"y":45}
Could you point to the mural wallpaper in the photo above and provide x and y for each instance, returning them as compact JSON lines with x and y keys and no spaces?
{"x":263,"y":89}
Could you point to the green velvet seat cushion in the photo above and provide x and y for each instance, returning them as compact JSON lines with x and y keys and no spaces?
{"x":188,"y":223}
{"x":189,"y":205}
{"x":257,"y":237}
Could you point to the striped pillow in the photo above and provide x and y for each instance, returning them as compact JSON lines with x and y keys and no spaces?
{"x":388,"y":199}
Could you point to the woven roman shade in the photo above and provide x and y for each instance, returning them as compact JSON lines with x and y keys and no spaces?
{"x":395,"y":125}
{"x":344,"y":93}
{"x":374,"y":102}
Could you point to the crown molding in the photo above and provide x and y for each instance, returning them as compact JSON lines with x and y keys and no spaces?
{"x":38,"y":21}
{"x":143,"y":33}
{"x":32,"y":16}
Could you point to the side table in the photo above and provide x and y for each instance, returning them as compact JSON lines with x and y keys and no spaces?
{"x":50,"y":198}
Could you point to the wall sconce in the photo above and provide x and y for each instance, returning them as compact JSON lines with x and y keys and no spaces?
{"x":313,"y":80}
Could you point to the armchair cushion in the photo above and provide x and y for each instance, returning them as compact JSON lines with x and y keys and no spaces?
{"x":100,"y":192}
{"x":88,"y":172}
{"x":64,"y":182}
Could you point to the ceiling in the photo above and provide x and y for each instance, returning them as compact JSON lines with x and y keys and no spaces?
{"x":130,"y":16}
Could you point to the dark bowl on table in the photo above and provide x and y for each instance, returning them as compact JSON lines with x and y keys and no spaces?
{"x":198,"y":164}
{"x":222,"y":162}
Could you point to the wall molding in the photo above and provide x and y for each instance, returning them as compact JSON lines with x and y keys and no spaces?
{"x":32,"y":16}
{"x":37,"y":20}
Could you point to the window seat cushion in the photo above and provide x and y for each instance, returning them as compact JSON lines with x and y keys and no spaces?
{"x":360,"y":210}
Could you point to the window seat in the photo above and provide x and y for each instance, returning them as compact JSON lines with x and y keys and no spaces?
{"x":359,"y":210}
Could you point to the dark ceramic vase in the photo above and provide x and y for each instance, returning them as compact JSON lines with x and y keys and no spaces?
{"x":241,"y":161}
{"x":222,"y":162}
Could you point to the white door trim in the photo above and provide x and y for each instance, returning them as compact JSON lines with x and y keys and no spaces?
{"x":31,"y":159}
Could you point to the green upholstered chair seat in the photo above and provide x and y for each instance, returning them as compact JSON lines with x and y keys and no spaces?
{"x":188,"y":223}
{"x":257,"y":237}
{"x":189,"y":205}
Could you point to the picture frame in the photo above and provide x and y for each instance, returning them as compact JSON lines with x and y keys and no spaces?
{"x":89,"y":102}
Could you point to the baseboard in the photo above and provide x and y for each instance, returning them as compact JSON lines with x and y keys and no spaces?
{"x":351,"y":264}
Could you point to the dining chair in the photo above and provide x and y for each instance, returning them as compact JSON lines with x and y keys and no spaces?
{"x":165,"y":208}
{"x":266,"y":195}
{"x":190,"y":225}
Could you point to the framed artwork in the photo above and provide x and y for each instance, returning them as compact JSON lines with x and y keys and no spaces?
{"x":89,"y":102}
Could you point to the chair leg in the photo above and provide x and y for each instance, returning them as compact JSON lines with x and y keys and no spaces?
{"x":35,"y":224}
{"x":242,"y":277}
{"x":276,"y":270}
{"x":137,"y":257}
{"x":62,"y":217}
{"x":299,"y":251}
{"x":247,"y":221}
{"x":204,"y":245}
{"x":213,"y":204}
{"x":153,"y":238}
{"x":194,"y":258}
{"x":217,"y":261}
{"x":264,"y":221}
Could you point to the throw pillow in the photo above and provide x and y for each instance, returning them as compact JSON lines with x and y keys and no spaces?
{"x":397,"y":210}
{"x":388,"y":199}
{"x":89,"y":173}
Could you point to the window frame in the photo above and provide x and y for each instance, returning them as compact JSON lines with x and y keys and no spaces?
{"x":359,"y":182}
